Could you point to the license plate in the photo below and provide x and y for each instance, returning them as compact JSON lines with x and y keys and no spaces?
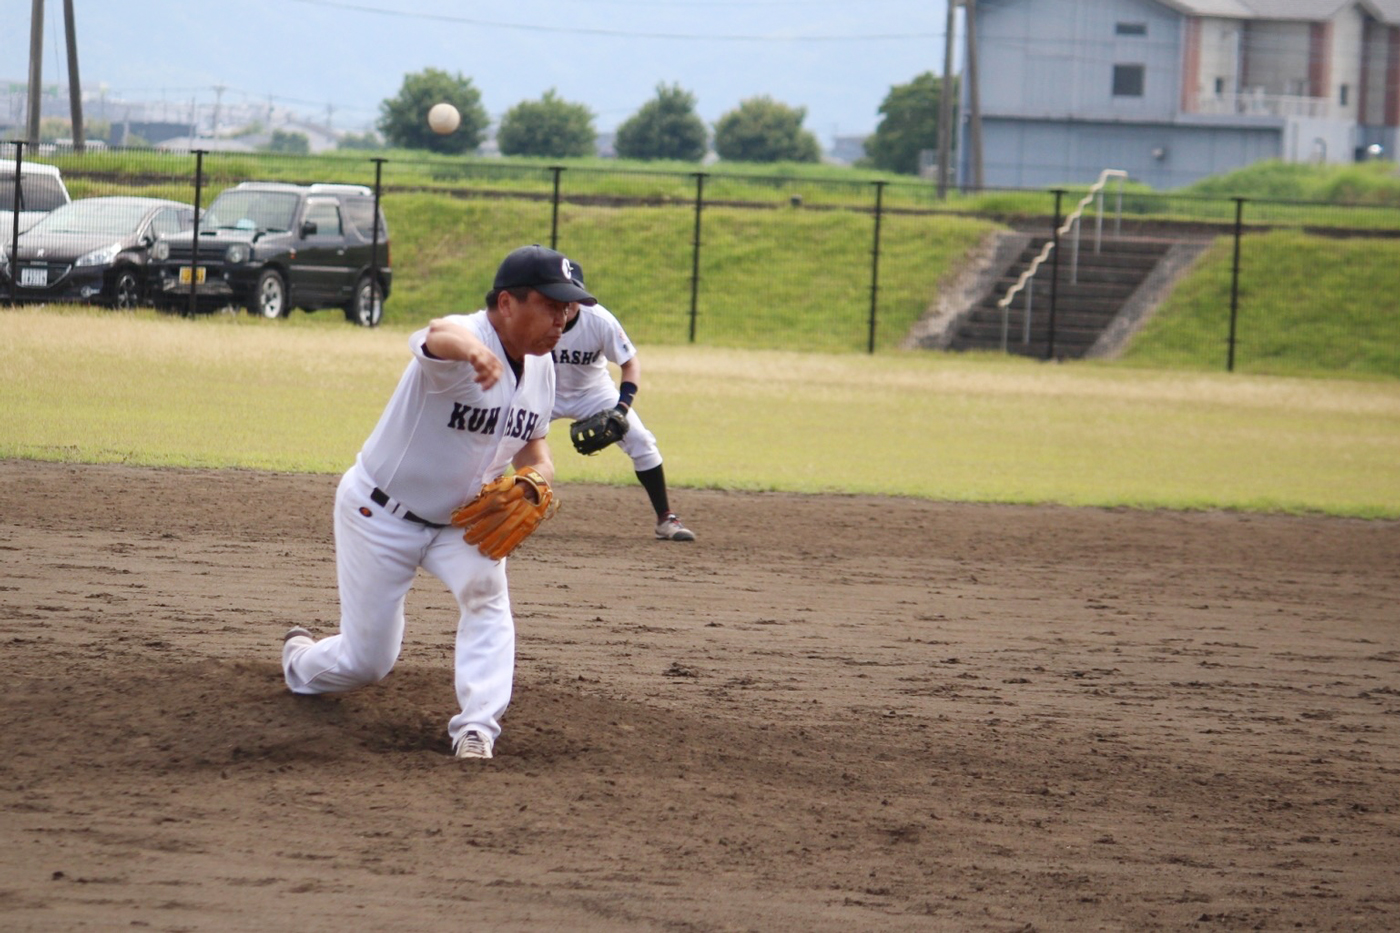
{"x":185,"y":275}
{"x":34,"y":276}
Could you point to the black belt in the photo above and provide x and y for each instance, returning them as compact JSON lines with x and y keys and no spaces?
{"x":380,"y":498}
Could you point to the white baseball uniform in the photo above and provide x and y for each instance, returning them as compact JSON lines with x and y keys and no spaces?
{"x":592,"y":340}
{"x":440,"y":437}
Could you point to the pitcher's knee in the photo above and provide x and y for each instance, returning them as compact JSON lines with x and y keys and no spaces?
{"x":363,"y":669}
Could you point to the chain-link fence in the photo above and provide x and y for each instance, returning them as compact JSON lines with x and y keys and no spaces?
{"x":731,"y":256}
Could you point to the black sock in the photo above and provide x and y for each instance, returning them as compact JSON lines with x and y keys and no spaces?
{"x":654,"y":482}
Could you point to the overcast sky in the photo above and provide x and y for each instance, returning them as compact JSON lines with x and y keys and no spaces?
{"x":836,"y":58}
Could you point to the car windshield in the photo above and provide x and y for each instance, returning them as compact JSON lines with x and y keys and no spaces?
{"x":107,"y":218}
{"x":251,"y":210}
{"x":36,"y":192}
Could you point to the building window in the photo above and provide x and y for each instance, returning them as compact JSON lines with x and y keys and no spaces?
{"x":1130,"y":29}
{"x":1127,"y":80}
{"x":1343,"y":94}
{"x":1219,"y":87}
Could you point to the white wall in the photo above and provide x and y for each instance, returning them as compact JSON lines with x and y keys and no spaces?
{"x":1309,"y":139}
{"x":1219,"y":57}
{"x":1346,"y":65}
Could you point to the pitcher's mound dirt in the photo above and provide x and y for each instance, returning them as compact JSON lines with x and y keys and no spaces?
{"x":828,"y":714}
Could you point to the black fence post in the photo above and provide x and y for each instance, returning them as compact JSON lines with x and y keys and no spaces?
{"x":1054,"y":274}
{"x":695,"y":253}
{"x":375,"y":288}
{"x":17,"y":205}
{"x":192,"y":308}
{"x":1235,"y":285}
{"x":554,"y":220}
{"x":875,"y":264}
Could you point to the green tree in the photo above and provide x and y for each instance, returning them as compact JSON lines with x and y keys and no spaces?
{"x":366,"y":140}
{"x":549,"y":126}
{"x":909,"y":124}
{"x":761,"y":129}
{"x":52,"y":129}
{"x":283,"y":141}
{"x":94,"y":131}
{"x":665,"y":128}
{"x":403,"y":119}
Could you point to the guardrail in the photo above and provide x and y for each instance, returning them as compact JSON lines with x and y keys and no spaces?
{"x":1071,"y":224}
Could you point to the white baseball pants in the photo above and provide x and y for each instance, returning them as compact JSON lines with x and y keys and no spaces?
{"x":377,"y":555}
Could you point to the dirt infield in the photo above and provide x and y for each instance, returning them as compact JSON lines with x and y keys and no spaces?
{"x":829,"y":714}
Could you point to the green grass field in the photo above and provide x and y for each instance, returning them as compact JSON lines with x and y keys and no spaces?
{"x":223,"y":391}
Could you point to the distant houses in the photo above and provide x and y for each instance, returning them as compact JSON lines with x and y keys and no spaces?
{"x":169,"y":125}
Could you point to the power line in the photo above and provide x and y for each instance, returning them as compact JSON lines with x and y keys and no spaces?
{"x":616,"y":33}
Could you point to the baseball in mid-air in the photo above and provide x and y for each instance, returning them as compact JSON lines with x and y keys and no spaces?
{"x":444,"y":118}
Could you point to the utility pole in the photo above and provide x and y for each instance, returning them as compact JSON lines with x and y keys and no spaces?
{"x":218,"y":105}
{"x":945,"y":104}
{"x":75,"y":87}
{"x":974,"y":102}
{"x":36,"y":69}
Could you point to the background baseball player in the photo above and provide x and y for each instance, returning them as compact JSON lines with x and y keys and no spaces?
{"x":474,"y":401}
{"x":592,"y":338}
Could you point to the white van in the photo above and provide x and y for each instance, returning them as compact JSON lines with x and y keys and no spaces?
{"x":40,"y":190}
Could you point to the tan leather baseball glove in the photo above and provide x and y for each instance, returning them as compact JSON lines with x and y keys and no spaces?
{"x":506,"y":512}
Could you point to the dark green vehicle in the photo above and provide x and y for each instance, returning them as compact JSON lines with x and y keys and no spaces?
{"x":272,"y":247}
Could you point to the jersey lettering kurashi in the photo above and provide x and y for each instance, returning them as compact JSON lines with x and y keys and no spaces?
{"x":582,"y":355}
{"x":442,"y":435}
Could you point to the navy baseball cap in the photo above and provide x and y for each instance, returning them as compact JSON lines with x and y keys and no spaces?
{"x":545,"y":271}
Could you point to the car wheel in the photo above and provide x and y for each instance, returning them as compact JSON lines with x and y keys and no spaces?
{"x":269,"y":298}
{"x":367,"y":307}
{"x":126,"y":290}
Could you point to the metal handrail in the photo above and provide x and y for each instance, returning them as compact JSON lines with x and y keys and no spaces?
{"x":1071,"y":223}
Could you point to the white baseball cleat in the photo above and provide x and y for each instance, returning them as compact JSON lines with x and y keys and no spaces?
{"x":671,"y":529}
{"x":296,"y":640}
{"x":473,"y":744}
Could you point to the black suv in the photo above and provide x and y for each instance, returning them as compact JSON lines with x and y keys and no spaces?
{"x":272,"y":247}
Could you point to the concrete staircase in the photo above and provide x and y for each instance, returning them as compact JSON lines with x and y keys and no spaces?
{"x":1090,"y":293}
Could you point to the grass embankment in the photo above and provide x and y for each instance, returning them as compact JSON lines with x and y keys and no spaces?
{"x":1363,"y":183}
{"x":224,"y":391}
{"x":792,"y":277}
{"x":1307,"y":305}
{"x":795,"y":279}
{"x":768,"y":279}
{"x":788,"y":277}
